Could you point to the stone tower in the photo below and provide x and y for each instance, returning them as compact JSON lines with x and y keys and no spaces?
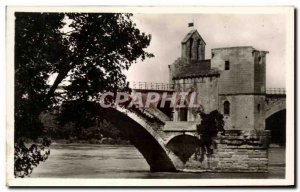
{"x":233,"y":82}
{"x":192,"y":72}
{"x":192,"y":55}
{"x":193,"y":46}
{"x":241,"y":86}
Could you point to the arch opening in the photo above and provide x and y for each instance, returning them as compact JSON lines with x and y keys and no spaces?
{"x":198,"y":49}
{"x":182,"y":111}
{"x":191,"y":48}
{"x":150,"y":147}
{"x":183,"y":146}
{"x":226,"y":108}
{"x":276,"y":123}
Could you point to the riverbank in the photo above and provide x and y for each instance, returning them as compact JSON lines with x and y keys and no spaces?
{"x":104,"y":141}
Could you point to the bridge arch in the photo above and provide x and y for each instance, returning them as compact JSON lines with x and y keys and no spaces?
{"x":275,"y":116}
{"x":174,"y":134}
{"x":183,"y":146}
{"x":276,"y":123}
{"x":274,"y":107}
{"x":145,"y":137}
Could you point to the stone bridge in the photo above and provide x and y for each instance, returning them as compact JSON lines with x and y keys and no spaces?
{"x":171,"y":146}
{"x":275,"y":115}
{"x":275,"y":101}
{"x":149,"y":131}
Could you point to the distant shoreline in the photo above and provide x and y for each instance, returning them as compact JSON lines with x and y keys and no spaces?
{"x":103,"y":141}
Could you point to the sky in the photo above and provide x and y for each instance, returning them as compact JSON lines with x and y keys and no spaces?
{"x":263,"y":32}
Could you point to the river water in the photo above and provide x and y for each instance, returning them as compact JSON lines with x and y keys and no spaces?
{"x":115,"y":161}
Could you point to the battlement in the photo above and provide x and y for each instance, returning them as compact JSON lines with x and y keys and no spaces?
{"x":275,"y":91}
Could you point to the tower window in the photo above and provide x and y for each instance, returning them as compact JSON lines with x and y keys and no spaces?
{"x":258,"y":107}
{"x":227,"y":65}
{"x":226,"y":108}
{"x":260,"y":60}
{"x":203,"y":52}
{"x":191,"y":48}
{"x":198,"y":47}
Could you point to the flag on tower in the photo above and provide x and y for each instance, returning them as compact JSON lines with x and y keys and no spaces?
{"x":191,"y":24}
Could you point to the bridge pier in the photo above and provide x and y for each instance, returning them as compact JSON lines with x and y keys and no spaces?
{"x":237,"y":151}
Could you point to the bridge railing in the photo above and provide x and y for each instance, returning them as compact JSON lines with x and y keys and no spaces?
{"x":170,"y":87}
{"x":275,"y":91}
{"x":151,"y":86}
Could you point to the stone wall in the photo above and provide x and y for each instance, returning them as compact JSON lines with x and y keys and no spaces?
{"x":260,"y":72}
{"x":259,"y":111}
{"x":207,"y":93}
{"x":237,"y":151}
{"x":239,"y":79}
{"x":241,"y":111}
{"x":242,"y":85}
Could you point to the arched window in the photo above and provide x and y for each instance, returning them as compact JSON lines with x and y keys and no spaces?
{"x":226,"y":108}
{"x":227,"y":65}
{"x":202,"y":52}
{"x":191,"y":48}
{"x":198,"y":49}
{"x":182,"y":109}
{"x":258,"y":107}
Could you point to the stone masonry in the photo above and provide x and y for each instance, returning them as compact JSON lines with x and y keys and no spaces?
{"x":234,"y":76}
{"x":233,"y":82}
{"x":237,"y":151}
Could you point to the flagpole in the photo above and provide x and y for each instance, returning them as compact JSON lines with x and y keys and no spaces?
{"x":193,"y":23}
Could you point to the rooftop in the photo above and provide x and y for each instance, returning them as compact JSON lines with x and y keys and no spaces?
{"x":190,"y":34}
{"x":239,"y":47}
{"x":190,"y":69}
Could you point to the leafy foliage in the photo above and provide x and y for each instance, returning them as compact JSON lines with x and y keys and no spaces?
{"x":103,"y":45}
{"x":38,"y":48}
{"x":28,"y":158}
{"x":90,"y":50}
{"x":98,"y":129}
{"x":211,"y":124}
